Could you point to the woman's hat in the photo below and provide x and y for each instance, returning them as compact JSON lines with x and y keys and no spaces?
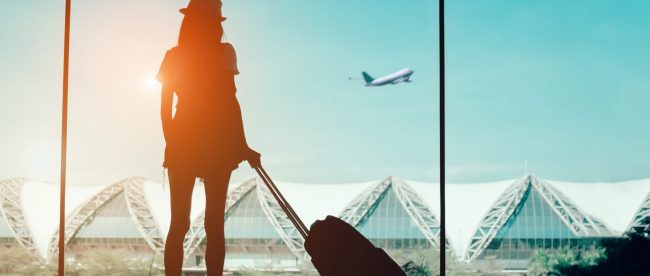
{"x":210,"y":8}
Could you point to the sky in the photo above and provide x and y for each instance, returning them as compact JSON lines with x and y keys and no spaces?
{"x":560,"y":85}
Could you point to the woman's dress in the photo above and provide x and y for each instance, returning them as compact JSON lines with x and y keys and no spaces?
{"x":207,"y":133}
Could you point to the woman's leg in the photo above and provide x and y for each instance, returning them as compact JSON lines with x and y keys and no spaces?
{"x":216,"y":189}
{"x":180,"y":190}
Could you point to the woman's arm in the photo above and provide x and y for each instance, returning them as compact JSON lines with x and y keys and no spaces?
{"x":166,"y":102}
{"x":252,"y":156}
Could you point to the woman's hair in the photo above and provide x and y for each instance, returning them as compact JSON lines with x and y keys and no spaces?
{"x":197,"y":31}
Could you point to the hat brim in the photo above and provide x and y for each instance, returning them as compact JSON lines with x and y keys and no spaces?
{"x":186,"y":11}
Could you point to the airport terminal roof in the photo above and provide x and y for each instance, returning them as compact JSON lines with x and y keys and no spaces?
{"x":615,"y":204}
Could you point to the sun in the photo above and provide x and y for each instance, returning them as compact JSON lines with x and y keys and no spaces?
{"x":151,"y":83}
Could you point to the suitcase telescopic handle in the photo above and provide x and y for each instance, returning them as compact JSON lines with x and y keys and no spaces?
{"x":300,"y":226}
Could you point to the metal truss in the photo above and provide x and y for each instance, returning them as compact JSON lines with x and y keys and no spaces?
{"x":496,"y":217}
{"x":196,"y":233}
{"x":283,"y":226}
{"x":362,"y":207}
{"x":575,"y":219}
{"x":364,"y":203}
{"x":418,"y":211}
{"x":141,"y":212}
{"x":84,"y":214}
{"x":11,"y":208}
{"x":641,"y":221}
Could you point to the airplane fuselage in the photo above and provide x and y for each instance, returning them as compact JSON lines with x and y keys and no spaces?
{"x":394,"y":78}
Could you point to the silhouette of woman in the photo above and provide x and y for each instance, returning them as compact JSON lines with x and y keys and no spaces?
{"x":205,"y":138}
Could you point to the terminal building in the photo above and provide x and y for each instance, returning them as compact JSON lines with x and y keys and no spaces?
{"x":501,"y":222}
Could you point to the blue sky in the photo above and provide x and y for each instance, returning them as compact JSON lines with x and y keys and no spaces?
{"x":560,"y":84}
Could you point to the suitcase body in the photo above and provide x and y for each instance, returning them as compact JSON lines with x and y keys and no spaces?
{"x":336,"y":248}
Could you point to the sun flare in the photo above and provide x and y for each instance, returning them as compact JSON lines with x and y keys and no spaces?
{"x":152,"y":83}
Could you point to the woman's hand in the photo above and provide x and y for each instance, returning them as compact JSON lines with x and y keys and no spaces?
{"x":253,"y":158}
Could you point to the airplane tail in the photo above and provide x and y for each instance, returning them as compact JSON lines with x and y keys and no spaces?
{"x":367,"y":77}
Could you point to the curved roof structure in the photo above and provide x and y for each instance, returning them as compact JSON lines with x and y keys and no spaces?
{"x":465,"y":206}
{"x":392,"y":210}
{"x":254,"y":192}
{"x":382,"y":205}
{"x":40,"y":203}
{"x":641,"y":220}
{"x":14,"y":223}
{"x":535,"y":196}
{"x":476,"y":212}
{"x":613,"y":203}
{"x":117,"y":211}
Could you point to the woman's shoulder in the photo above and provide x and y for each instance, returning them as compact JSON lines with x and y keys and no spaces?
{"x":229,"y":55}
{"x":226,"y":47}
{"x":172,"y":52}
{"x":171,"y":55}
{"x":168,"y":67}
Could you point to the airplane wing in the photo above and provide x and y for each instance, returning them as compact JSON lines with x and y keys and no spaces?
{"x":401,"y":80}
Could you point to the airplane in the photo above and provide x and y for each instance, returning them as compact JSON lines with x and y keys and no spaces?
{"x":403,"y":75}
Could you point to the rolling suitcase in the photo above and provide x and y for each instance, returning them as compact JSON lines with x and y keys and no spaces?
{"x":335,"y":247}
